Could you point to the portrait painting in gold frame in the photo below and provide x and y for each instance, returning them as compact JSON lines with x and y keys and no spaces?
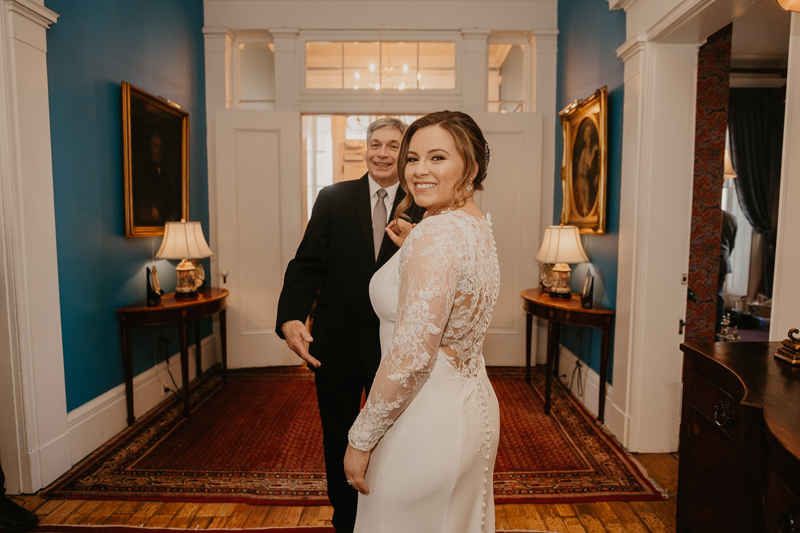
{"x":583,"y":169}
{"x":155,"y":153}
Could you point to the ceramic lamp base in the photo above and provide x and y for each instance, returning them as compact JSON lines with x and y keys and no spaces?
{"x":559,"y":287}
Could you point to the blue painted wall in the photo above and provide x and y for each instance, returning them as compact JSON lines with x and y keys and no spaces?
{"x":156,"y":45}
{"x":588,"y":36}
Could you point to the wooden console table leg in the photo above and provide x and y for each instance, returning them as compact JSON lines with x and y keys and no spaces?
{"x":603,"y":374}
{"x":528,"y":332}
{"x":198,"y":354}
{"x":223,"y":333}
{"x":127,"y":366}
{"x":184,"y":342}
{"x":553,"y":337}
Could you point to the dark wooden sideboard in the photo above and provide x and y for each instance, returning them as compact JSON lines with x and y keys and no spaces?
{"x":740,"y":440}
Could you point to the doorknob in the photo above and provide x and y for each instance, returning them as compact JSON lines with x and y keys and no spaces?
{"x":224,"y":274}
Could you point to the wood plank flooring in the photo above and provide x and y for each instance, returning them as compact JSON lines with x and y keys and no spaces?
{"x":601,"y":517}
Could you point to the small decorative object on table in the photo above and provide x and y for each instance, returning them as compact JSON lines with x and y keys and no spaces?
{"x":790,"y":351}
{"x":725,"y":334}
{"x":545,"y":277}
{"x":154,"y":291}
{"x":587,"y":296}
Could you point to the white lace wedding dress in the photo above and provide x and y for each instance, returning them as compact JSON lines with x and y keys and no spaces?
{"x":432,"y":419}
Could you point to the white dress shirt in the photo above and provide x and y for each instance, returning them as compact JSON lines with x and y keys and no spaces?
{"x":391,"y":192}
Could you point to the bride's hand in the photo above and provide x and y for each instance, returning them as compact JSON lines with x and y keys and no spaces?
{"x":355,"y":467}
{"x":399,"y":232}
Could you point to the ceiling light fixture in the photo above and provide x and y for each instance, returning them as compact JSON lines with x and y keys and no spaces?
{"x":790,"y":5}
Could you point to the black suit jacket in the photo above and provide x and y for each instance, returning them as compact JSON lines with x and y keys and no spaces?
{"x":334,"y":264}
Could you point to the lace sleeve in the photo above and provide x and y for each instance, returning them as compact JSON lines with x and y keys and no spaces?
{"x":429,"y":273}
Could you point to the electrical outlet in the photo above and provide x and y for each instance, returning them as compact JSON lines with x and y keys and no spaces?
{"x":164,"y":391}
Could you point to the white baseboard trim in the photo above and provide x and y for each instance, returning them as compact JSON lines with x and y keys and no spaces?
{"x":96,"y":422}
{"x":53,"y":459}
{"x":614,"y":417}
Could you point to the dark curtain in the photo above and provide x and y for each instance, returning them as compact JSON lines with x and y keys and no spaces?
{"x":755,"y":123}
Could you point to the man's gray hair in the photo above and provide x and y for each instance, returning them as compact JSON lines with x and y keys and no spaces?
{"x":386,"y":122}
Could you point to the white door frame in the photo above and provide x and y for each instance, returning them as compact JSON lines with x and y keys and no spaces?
{"x":34,"y":436}
{"x":658,"y":150}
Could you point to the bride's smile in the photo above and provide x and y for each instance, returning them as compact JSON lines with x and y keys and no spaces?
{"x":433,"y":167}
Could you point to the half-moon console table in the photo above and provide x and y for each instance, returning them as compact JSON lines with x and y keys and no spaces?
{"x":559,"y":311}
{"x":209,"y":301}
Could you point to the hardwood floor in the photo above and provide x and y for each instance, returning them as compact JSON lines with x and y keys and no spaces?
{"x":601,"y":517}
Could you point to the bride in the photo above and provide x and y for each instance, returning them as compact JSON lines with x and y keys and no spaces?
{"x":422,"y":450}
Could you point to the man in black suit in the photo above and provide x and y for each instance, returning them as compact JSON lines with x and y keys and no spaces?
{"x":343,"y":246}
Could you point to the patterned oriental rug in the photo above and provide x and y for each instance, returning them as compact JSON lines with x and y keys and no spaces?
{"x":258,"y":440}
{"x":131,"y":529}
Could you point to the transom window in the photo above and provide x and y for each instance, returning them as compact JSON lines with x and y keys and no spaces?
{"x":379,"y":65}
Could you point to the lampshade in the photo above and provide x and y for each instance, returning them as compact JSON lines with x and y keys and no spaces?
{"x":790,"y":5}
{"x":729,"y":172}
{"x":183,"y":240}
{"x":561,"y":244}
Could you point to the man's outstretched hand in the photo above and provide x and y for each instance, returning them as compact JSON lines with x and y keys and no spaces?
{"x":296,"y":336}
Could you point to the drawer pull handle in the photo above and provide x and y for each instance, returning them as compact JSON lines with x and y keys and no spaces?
{"x":723,"y":414}
{"x":786,"y":521}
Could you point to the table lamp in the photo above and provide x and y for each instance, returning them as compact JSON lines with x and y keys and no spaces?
{"x":561,"y":245}
{"x":185,"y":241}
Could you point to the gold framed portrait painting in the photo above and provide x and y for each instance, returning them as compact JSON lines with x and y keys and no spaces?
{"x":155,"y":153}
{"x":583,"y":169}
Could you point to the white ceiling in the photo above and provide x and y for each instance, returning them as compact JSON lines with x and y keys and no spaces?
{"x":761,"y":35}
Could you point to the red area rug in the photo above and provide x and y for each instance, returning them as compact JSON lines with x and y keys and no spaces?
{"x":297,"y":529}
{"x":258,"y":440}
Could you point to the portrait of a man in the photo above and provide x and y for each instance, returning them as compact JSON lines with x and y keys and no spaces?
{"x":586,"y":167}
{"x":583,"y":170}
{"x":156,"y":173}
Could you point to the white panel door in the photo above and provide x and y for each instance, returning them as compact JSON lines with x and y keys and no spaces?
{"x":512,"y":197}
{"x":259,"y":199}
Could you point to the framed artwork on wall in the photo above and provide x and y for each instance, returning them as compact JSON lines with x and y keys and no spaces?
{"x":583,"y":168}
{"x":155,"y":156}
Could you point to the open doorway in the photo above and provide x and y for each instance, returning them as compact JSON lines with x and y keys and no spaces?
{"x":759,"y":60}
{"x":740,"y":87}
{"x":334,"y":148}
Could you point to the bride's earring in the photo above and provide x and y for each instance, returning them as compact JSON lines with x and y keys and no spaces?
{"x":469,"y":188}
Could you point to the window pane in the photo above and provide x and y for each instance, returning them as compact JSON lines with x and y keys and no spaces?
{"x":437,"y":55}
{"x":506,"y":82}
{"x":256,"y":76}
{"x":399,"y":65}
{"x":380,"y":65}
{"x":324,"y":65}
{"x":362,"y":65}
{"x":357,"y":126}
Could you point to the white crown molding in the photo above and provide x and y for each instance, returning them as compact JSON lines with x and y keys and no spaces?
{"x":33,"y":11}
{"x":475,"y":33}
{"x":677,"y":17}
{"x":285,"y":33}
{"x":631,"y":47}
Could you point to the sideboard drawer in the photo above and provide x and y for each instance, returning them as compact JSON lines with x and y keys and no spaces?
{"x":781,"y":505}
{"x":717,"y":406}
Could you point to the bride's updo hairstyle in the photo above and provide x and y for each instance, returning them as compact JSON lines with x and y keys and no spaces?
{"x":471,"y":146}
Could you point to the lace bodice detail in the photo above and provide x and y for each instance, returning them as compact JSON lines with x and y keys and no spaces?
{"x":449,"y":281}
